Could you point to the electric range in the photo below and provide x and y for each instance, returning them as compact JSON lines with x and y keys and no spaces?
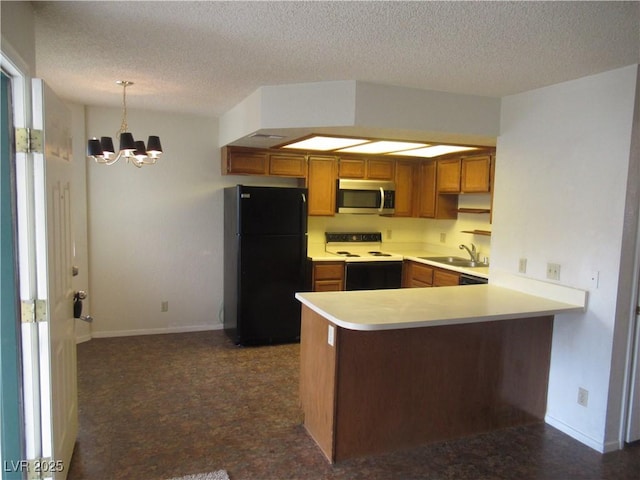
{"x":367,"y":266}
{"x":358,"y":247}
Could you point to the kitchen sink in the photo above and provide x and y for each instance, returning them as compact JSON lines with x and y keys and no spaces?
{"x":456,"y":262}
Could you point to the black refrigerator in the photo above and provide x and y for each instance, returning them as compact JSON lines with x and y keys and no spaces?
{"x":265,"y":250}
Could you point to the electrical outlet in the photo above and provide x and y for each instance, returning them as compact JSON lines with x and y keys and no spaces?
{"x":331,"y":335}
{"x":583,"y":396}
{"x":553,"y":271}
{"x":522,"y":265}
{"x":595,"y":279}
{"x":164,"y":306}
{"x":443,"y":237}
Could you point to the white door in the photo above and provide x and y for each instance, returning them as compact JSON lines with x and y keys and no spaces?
{"x":633,"y":415}
{"x":54,"y":258}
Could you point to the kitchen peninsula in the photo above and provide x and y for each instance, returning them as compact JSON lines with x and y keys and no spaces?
{"x":386,"y":369}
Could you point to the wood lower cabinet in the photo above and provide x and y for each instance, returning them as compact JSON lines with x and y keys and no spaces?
{"x":321,"y":183}
{"x":417,"y":274}
{"x":445,"y":278}
{"x":328,"y":276}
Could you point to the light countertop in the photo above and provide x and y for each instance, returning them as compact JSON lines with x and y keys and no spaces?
{"x":368,"y":310}
{"x":317,"y":254}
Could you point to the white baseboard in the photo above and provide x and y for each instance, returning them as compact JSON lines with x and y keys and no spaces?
{"x":83,"y":338}
{"x":581,"y":437}
{"x":155,"y":331}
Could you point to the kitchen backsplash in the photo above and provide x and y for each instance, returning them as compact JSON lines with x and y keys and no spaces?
{"x":415,"y":231}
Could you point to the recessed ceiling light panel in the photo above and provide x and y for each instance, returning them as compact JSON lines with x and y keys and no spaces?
{"x":325,"y":143}
{"x":434,"y":151}
{"x":383,"y":146}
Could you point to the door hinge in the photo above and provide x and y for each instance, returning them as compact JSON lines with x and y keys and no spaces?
{"x":33,"y":311}
{"x":29,"y":140}
{"x":41,"y":468}
{"x":638,"y":310}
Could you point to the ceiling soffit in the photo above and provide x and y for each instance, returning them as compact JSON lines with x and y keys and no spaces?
{"x":287,"y":112}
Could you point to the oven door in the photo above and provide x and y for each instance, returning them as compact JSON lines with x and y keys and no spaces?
{"x":373,"y":275}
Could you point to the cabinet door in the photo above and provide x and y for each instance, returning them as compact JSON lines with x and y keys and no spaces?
{"x":427,"y":189}
{"x":287,"y":165}
{"x":449,"y":175}
{"x":445,"y":278}
{"x":475,"y":175}
{"x":352,"y":168}
{"x":380,"y":169}
{"x":248,"y":163}
{"x":416,"y":274}
{"x":321,"y":182}
{"x":405,"y":188}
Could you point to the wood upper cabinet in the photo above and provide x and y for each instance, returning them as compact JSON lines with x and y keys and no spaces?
{"x":465,"y":175}
{"x":287,"y":165}
{"x":328,"y":276}
{"x":475,"y":174}
{"x":352,"y":168}
{"x":448,"y":175}
{"x":380,"y":169}
{"x":433,"y":204}
{"x":245,"y":161}
{"x":366,"y":168}
{"x":406,"y":197}
{"x":321,"y":183}
{"x":427,"y":197}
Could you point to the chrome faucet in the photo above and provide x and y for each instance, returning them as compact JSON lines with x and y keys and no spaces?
{"x":472,"y":253}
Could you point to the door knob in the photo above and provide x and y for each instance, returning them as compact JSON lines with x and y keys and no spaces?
{"x":77,"y":304}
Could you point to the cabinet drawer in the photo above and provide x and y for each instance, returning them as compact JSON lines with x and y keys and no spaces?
{"x":327,"y":286}
{"x":328,"y":271}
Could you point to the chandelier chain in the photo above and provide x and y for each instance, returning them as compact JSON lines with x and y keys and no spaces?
{"x":123,"y":126}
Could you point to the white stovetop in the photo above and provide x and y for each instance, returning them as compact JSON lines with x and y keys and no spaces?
{"x":423,"y":307}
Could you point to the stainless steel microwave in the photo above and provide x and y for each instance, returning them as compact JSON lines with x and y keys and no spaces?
{"x":365,"y":196}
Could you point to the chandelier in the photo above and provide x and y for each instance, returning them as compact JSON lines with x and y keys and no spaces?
{"x":133,"y":151}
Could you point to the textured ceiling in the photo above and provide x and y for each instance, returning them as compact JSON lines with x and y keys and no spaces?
{"x":205,"y":57}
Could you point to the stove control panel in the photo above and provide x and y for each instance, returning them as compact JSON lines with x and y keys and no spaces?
{"x":344,"y":237}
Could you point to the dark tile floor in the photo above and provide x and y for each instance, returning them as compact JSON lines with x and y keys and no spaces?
{"x":158,"y":406}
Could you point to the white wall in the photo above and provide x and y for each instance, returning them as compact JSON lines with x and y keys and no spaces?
{"x":155,"y":234}
{"x":563,"y":155}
